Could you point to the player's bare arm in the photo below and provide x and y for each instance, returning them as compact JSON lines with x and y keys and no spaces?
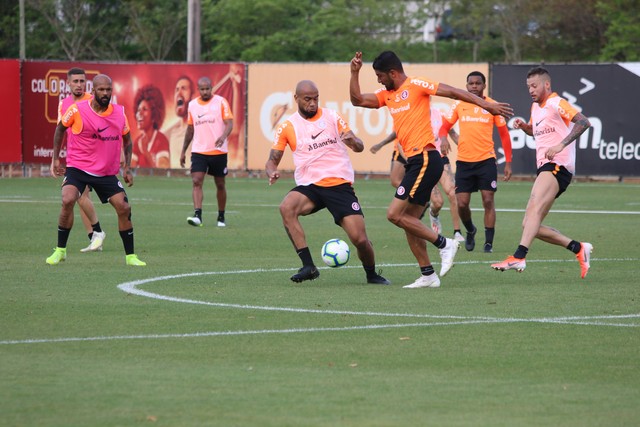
{"x":521,"y":124}
{"x":227,"y":131}
{"x":188,"y":136}
{"x":495,"y":108}
{"x":271,"y":166}
{"x":580,"y":124}
{"x":58,"y":136}
{"x":445,"y":147}
{"x":375,"y":148}
{"x":359,"y":99}
{"x":127,"y":148}
{"x":352,"y":141}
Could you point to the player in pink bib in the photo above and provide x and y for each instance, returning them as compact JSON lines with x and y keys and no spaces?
{"x":99,"y":133}
{"x":555,"y":124}
{"x":318,"y":138}
{"x":209,"y":124}
{"x":77,"y":82}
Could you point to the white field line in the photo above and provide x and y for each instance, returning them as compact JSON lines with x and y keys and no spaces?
{"x":265,"y":205}
{"x":444,"y":320}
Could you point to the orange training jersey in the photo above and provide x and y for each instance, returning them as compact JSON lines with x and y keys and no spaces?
{"x":64,"y":104}
{"x":475,"y":142}
{"x":319,"y":155}
{"x":410,"y":107}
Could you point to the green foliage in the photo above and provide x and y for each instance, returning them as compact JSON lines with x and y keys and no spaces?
{"x":9,"y":30}
{"x":328,"y":30}
{"x":280,"y":30}
{"x":622,"y":19}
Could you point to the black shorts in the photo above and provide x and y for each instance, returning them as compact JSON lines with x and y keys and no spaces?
{"x":445,"y":160}
{"x":396,"y":157}
{"x":340,"y":200}
{"x":563,"y":176}
{"x":215,"y":165}
{"x":474,"y":176}
{"x":422,"y":173}
{"x":104,"y":186}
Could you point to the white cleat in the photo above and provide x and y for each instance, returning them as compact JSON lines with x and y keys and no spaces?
{"x":221,"y":224}
{"x":195,"y":221}
{"x":430,"y":281}
{"x":458,"y":237}
{"x":447,"y":254}
{"x":96,"y":242}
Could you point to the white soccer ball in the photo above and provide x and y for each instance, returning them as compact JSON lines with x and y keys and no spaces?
{"x":335,"y":253}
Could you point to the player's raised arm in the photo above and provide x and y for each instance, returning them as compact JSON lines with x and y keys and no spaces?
{"x":495,"y":108}
{"x":359,"y":99}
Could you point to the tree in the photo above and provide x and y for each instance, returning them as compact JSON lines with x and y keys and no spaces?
{"x":622,"y":22}
{"x":304,"y":30}
{"x":76,"y":29}
{"x":157,"y":25}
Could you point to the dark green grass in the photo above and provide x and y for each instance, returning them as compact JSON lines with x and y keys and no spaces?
{"x":75,"y":350}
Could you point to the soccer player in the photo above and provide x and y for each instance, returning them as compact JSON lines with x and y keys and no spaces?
{"x":99,"y":134}
{"x":209,"y":124}
{"x":318,"y":138}
{"x":77,"y":81}
{"x":398,"y":161}
{"x":555,"y":124}
{"x":408,"y":101}
{"x":476,"y":167}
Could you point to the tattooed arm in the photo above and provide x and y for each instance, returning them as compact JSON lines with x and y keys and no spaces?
{"x":580,"y":124}
{"x":272,"y":165}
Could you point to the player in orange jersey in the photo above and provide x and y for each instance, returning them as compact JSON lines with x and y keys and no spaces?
{"x":77,"y":81}
{"x":555,"y":124}
{"x":408,"y":99}
{"x":398,"y":161}
{"x":318,"y":138}
{"x":476,"y":164}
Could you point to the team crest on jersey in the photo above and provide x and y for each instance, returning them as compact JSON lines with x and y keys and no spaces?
{"x":355,"y":206}
{"x":322,"y":124}
{"x":400,"y":190}
{"x":404,"y":94}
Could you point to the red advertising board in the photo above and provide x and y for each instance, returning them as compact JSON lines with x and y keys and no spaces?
{"x":10,"y":149}
{"x":44,"y":85}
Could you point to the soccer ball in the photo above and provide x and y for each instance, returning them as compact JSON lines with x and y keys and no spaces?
{"x":335,"y":253}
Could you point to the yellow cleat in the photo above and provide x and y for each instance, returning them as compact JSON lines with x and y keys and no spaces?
{"x":59,"y":254}
{"x":133,"y":260}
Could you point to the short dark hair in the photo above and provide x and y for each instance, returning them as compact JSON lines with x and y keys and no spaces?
{"x":479,"y":74}
{"x":538,"y":71}
{"x":75,"y":70}
{"x":387,"y":61}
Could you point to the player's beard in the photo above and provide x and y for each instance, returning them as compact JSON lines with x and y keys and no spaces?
{"x":103,"y":101}
{"x":308,"y":114}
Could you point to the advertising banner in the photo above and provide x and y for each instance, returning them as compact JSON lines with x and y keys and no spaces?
{"x":602,"y":92}
{"x":11,"y":148}
{"x":270,"y":100}
{"x":44,"y":85}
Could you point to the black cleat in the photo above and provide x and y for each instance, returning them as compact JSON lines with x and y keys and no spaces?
{"x":307,"y":272}
{"x":488,"y":248}
{"x":377,"y":279}
{"x":470,"y":241}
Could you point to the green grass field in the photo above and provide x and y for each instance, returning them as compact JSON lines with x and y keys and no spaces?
{"x":213,"y":333}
